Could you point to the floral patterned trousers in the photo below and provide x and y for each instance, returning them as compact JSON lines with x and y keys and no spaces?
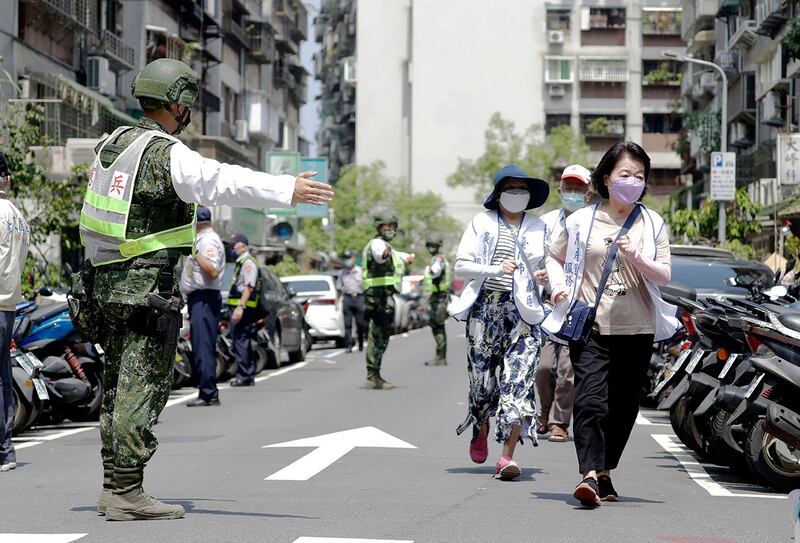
{"x":501,"y":363}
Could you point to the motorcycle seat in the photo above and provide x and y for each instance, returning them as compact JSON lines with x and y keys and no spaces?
{"x":790,"y":320}
{"x":48,"y":311}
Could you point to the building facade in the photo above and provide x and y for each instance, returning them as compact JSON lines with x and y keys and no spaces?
{"x":431,"y":74}
{"x":77,"y":59}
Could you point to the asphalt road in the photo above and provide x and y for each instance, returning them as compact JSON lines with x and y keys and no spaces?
{"x":410,"y":481}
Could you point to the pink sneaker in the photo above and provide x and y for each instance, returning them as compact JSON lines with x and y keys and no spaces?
{"x":479,"y":446}
{"x":507,"y":469}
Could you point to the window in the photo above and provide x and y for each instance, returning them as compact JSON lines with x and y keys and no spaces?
{"x":606,"y":18}
{"x":558,"y":70}
{"x":661,"y":123}
{"x":553,"y":120}
{"x":603,"y":126}
{"x":661,"y":21}
{"x":661,"y":72}
{"x":304,"y":286}
{"x":604,"y":69}
{"x":558,"y":19}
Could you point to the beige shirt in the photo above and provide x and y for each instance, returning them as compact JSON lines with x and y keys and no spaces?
{"x":625,"y":307}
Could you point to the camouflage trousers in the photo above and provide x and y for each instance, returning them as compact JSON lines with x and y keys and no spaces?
{"x":438,"y":317}
{"x":380,"y":309}
{"x":137,"y":379}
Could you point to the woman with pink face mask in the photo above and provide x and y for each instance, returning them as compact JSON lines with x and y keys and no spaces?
{"x":612,"y":256}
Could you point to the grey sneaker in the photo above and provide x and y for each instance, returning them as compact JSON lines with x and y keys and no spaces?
{"x":8,"y":467}
{"x":140,"y":506}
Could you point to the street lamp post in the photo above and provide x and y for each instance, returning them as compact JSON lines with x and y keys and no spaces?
{"x":723,"y":136}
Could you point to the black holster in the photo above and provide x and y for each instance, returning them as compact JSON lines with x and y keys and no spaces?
{"x":164,"y":319}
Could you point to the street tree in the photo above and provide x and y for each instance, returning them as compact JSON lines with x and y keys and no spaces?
{"x":363,"y":191}
{"x":50,"y":205}
{"x":541,"y":155}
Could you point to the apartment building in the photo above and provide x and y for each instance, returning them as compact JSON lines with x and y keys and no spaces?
{"x":431,"y":74}
{"x":334,"y":67}
{"x":744,"y":38}
{"x":605,"y":76}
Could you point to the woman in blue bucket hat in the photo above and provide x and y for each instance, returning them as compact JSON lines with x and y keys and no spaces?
{"x":501,"y":255}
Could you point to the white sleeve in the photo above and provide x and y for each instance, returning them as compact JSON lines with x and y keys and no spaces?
{"x":204,"y":181}
{"x":437,"y":267}
{"x":378,"y":247}
{"x":467,"y":269}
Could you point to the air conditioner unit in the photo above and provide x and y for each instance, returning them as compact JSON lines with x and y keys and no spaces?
{"x":556,"y":90}
{"x":555,"y":36}
{"x":771,"y":112}
{"x":99,"y":77}
{"x":241,"y":132}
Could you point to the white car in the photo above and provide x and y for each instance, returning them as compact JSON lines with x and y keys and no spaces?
{"x":322,"y":305}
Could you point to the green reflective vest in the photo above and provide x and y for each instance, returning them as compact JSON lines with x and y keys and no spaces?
{"x":385,"y":274}
{"x":107,"y":208}
{"x":234,"y":295}
{"x":429,"y":286}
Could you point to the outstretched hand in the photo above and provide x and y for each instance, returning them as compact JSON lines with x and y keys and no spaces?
{"x":307,"y":191}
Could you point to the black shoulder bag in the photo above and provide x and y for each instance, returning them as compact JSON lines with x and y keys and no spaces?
{"x":580,"y":319}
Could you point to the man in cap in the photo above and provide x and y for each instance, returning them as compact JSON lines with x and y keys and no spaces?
{"x":555,"y":380}
{"x":383,"y":276}
{"x":243,"y":300}
{"x":138,"y":218}
{"x":201,"y":282}
{"x":350,"y":286}
{"x":437,"y":286}
{"x":14,"y":241}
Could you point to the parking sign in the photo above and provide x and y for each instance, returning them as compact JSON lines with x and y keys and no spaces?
{"x":723,"y":176}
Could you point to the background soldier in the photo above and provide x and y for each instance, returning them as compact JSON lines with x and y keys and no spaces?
{"x":138,"y":218}
{"x":437,"y":285}
{"x":383,"y":275}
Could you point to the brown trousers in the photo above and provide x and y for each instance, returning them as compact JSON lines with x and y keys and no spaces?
{"x":555,"y":385}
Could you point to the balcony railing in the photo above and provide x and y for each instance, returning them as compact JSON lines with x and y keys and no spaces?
{"x":742,"y":98}
{"x":260,"y":39}
{"x":115,"y":49}
{"x":661,"y":22}
{"x":697,"y":15}
{"x":745,"y":35}
{"x":603,"y":69}
{"x":770,"y":16}
{"x":80,"y":13}
{"x":728,"y":61}
{"x":235,"y":31}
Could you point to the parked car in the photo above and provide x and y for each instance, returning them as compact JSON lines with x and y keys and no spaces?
{"x":323,"y":306}
{"x":714,"y":275}
{"x":284,"y":325}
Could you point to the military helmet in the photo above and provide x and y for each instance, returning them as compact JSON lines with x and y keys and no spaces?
{"x":434,"y":240}
{"x":167,"y":80}
{"x":384,"y":218}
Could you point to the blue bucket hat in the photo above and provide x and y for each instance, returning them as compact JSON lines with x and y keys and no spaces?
{"x":538,"y":188}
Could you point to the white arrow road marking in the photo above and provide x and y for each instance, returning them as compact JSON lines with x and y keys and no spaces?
{"x":40,"y":538}
{"x":347,"y":540}
{"x":698,"y":473}
{"x":644,"y":421}
{"x":330,"y":448}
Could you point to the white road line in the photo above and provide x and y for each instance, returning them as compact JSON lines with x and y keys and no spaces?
{"x":190,"y":395}
{"x":698,"y":473}
{"x":334,"y":353}
{"x":40,"y":538}
{"x":347,"y":540}
{"x":32,"y":441}
{"x":644,"y":421}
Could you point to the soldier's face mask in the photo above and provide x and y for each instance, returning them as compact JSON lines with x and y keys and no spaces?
{"x":432,"y":249}
{"x":388,"y":234}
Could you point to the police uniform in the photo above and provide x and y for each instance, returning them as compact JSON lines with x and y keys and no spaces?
{"x":137,"y":219}
{"x":244,"y":275}
{"x":350,"y":284}
{"x":205,"y":303}
{"x":382,"y":279}
{"x":438,"y":278}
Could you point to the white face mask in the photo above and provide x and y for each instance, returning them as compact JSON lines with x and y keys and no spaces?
{"x":515,"y":200}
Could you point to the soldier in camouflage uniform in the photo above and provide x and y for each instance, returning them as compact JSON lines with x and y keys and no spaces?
{"x":137,"y":219}
{"x":383,"y":273}
{"x":437,"y":287}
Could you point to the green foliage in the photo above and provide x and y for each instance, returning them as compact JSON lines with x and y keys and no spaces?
{"x":363,"y":191}
{"x":741,"y":250}
{"x":598,"y":127}
{"x":536,"y":153}
{"x":699,"y":226}
{"x":791,"y":40}
{"x":662,"y":75}
{"x":50,"y":206}
{"x":791,"y":246}
{"x":287,"y":266}
{"x":37,"y":274}
{"x":706,"y":126}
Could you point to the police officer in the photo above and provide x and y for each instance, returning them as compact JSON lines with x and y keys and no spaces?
{"x":137,"y":219}
{"x":350,"y":284}
{"x":243,"y":303}
{"x":383,"y":275}
{"x":201,"y":282}
{"x":437,"y":286}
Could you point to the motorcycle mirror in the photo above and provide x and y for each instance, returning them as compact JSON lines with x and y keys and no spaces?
{"x":777,"y":292}
{"x":291,"y":292}
{"x":45,"y":291}
{"x":744,"y":280}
